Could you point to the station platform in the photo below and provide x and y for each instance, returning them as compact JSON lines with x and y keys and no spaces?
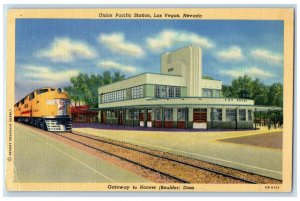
{"x":209,"y":146}
{"x":39,"y":158}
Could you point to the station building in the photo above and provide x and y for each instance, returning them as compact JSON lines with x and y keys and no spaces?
{"x":177,"y":97}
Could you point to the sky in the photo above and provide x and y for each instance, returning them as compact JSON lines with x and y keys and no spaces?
{"x":51,"y":51}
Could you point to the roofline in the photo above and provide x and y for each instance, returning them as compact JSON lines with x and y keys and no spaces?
{"x":34,"y":91}
{"x":139,"y":75}
{"x":199,"y":105}
{"x":212,"y":80}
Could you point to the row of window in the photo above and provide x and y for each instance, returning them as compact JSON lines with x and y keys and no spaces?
{"x":209,"y":93}
{"x":182,"y":114}
{"x":137,"y":92}
{"x":162,"y":91}
{"x":231,"y":115}
{"x":114,"y":96}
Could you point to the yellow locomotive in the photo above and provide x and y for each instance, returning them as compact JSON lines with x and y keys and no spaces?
{"x":45,"y":108}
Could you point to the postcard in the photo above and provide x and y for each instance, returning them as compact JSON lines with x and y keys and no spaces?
{"x":149,"y":99}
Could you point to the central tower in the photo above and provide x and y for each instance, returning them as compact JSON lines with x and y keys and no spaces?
{"x":185,"y":62}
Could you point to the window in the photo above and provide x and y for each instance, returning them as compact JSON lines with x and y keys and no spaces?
{"x":157,"y":114}
{"x":40,"y":91}
{"x":31,"y":96}
{"x":171,"y":92}
{"x":136,"y":115}
{"x":181,"y":114}
{"x":217,"y":115}
{"x":231,"y":115}
{"x":206,"y":92}
{"x":113,"y":114}
{"x":218,"y":93}
{"x":177,"y":91}
{"x":130,"y":114}
{"x":249,"y":115}
{"x":170,"y":69}
{"x":161,"y":91}
{"x":168,"y":114}
{"x":137,"y":92}
{"x":242,"y":115}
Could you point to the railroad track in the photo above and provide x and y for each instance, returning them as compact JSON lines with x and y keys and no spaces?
{"x":161,"y":163}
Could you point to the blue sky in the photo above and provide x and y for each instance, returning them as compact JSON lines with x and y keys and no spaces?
{"x":50,"y":51}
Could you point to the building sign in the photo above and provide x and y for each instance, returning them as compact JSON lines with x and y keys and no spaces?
{"x":236,"y":99}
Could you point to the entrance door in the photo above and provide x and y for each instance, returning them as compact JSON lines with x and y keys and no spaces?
{"x":120,"y":117}
{"x":103,"y":117}
{"x":157,"y":118}
{"x":149,"y":118}
{"x":200,"y":118}
{"x":141,"y":118}
{"x":181,"y":117}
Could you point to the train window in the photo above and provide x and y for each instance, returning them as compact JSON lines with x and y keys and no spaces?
{"x":31,"y":96}
{"x":41,"y":91}
{"x":17,"y":104}
{"x":52,"y":89}
{"x":22,"y":101}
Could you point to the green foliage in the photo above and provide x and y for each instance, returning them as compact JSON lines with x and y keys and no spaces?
{"x":275,"y":95}
{"x":246,"y":87}
{"x":226,"y":90}
{"x":85,"y":88}
{"x":207,"y":77}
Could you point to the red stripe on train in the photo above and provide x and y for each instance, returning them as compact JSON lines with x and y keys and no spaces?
{"x":26,"y":112}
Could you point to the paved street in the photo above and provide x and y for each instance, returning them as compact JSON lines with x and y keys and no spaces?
{"x":39,"y":158}
{"x":205,"y":146}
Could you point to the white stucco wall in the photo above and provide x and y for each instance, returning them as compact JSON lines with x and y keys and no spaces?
{"x":146,"y":78}
{"x":186,"y":62}
{"x":181,"y":102}
{"x":211,"y":84}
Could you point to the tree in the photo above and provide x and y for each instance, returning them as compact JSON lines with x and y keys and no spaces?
{"x":275,"y":95}
{"x":207,"y":77}
{"x":241,"y":87}
{"x":227,"y":91}
{"x":246,"y":87}
{"x":85,"y":88}
{"x":259,"y":92}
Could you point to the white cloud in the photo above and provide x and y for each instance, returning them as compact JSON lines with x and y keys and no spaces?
{"x":116,"y":43}
{"x":47,"y":74}
{"x":267,"y":56}
{"x":117,"y":66}
{"x":168,"y":38}
{"x":233,"y":53}
{"x":65,"y":50}
{"x":253,"y":72}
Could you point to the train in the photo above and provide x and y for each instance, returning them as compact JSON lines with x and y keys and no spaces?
{"x":46,"y":108}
